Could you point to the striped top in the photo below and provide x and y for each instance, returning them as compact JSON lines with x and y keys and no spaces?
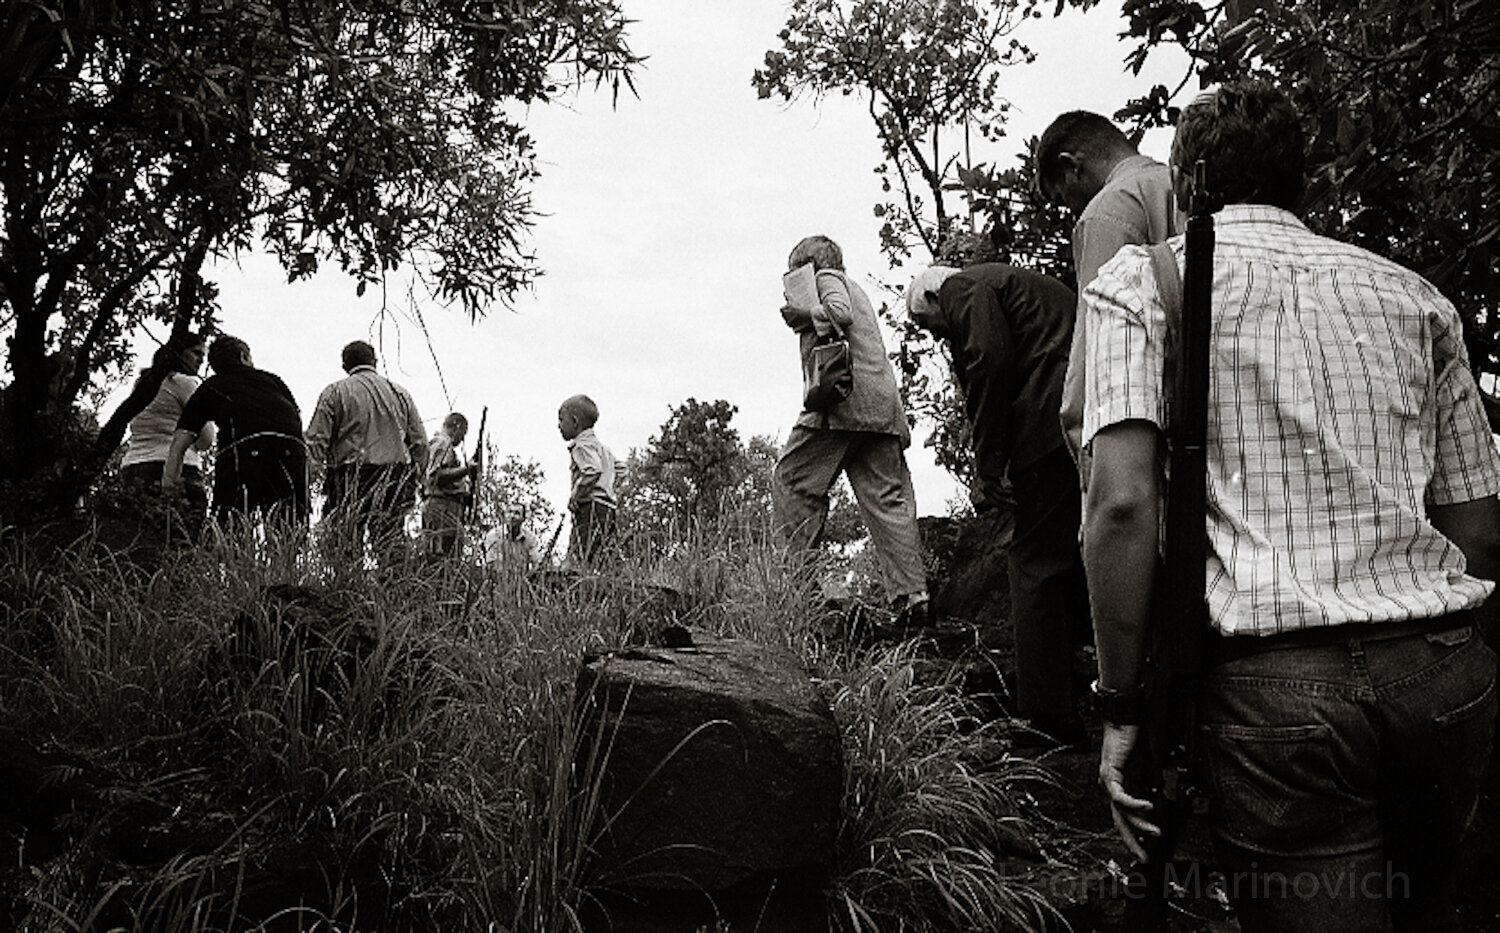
{"x":1341,"y":404}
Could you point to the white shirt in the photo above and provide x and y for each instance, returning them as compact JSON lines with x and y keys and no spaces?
{"x":151,"y":430}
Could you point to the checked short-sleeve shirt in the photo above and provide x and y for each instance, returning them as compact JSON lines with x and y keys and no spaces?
{"x":1341,"y":404}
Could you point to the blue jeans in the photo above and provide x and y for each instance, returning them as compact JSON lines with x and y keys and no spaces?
{"x":1344,"y":776}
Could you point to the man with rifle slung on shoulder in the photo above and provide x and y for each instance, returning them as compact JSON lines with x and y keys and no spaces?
{"x":450,"y":477}
{"x":1345,"y":696}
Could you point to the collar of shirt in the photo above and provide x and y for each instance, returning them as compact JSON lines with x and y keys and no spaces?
{"x":1126,"y":166}
{"x":580,"y":436}
{"x":1258,"y":214}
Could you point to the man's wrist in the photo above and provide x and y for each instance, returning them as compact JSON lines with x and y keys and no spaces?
{"x":1119,"y":707}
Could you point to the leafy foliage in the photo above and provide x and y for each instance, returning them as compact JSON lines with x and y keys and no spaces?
{"x":926,"y":69}
{"x":1401,"y":101}
{"x":138,"y":140}
{"x":697,"y":474}
{"x":925,"y":822}
{"x":247,"y":736}
{"x":693,"y":471}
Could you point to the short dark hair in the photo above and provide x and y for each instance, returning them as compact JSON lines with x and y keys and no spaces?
{"x":358,"y":353}
{"x":584,"y":408}
{"x":819,"y":250}
{"x":227,"y":351}
{"x":1077,"y":131}
{"x":1250,"y":138}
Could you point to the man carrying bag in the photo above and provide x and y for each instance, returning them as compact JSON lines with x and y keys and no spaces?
{"x":863,"y":435}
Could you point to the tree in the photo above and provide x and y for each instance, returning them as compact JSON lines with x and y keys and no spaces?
{"x":691,"y":473}
{"x":1401,"y":101}
{"x":929,"y":72}
{"x":698,"y":474}
{"x":139,"y":140}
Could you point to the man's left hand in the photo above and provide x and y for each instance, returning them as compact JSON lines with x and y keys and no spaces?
{"x":1128,"y":812}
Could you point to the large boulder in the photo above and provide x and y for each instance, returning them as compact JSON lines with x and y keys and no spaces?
{"x":967,"y":572}
{"x":721,"y":766}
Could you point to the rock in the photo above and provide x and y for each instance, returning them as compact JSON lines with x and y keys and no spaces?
{"x":968,"y":575}
{"x":724,"y":765}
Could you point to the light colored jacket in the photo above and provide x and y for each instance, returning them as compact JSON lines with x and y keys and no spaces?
{"x":875,"y":403}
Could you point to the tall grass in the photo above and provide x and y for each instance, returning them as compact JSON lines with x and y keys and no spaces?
{"x":271,"y":741}
{"x":926,"y":816}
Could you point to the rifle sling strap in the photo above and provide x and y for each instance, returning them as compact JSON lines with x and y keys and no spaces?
{"x":1169,"y":290}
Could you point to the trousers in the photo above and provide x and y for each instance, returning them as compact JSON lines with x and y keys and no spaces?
{"x":265,"y":474}
{"x":1344,"y":775}
{"x":595,"y":528}
{"x":812,"y":460}
{"x":1049,"y":598}
{"x":443,"y":526}
{"x":369,"y":500}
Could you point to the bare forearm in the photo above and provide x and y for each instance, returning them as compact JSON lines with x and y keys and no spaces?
{"x":1120,"y":548}
{"x":1120,"y":557}
{"x":171,"y":472}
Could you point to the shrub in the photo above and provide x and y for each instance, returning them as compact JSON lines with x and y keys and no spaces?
{"x":926,"y":817}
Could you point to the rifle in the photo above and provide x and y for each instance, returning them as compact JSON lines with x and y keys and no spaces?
{"x":471,"y":500}
{"x":1179,"y":629}
{"x":547,"y":557}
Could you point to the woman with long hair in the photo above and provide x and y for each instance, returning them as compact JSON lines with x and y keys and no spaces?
{"x":175,"y":368}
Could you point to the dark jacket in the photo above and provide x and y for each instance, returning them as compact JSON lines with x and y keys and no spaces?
{"x":1009,"y":330}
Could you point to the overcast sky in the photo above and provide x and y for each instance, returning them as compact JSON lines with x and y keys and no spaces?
{"x":667,"y":221}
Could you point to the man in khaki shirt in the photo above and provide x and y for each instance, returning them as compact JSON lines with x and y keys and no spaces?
{"x":1120,"y":197}
{"x":366,"y":435}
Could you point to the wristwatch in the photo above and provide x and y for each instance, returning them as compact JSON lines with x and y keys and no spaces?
{"x":1119,"y":707}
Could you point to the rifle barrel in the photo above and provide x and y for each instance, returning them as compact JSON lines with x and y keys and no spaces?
{"x":1176,"y":640}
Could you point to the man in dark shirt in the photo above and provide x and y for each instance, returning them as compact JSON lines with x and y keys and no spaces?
{"x":262,"y":463}
{"x":1009,"y":331}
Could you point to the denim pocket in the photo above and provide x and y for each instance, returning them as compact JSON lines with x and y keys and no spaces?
{"x":1483,"y":705}
{"x":1286,"y":790}
{"x":1465,"y":735}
